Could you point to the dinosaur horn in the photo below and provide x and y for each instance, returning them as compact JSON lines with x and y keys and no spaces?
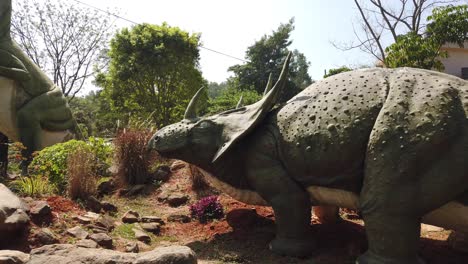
{"x":269,"y":84}
{"x":239,"y":104}
{"x":191,"y":111}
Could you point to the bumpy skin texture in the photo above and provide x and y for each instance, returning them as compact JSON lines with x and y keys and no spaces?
{"x":396,"y":137}
{"x":39,"y":103}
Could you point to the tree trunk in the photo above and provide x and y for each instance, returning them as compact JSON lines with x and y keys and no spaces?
{"x":3,"y":155}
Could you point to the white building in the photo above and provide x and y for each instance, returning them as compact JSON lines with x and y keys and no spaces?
{"x":457,"y":62}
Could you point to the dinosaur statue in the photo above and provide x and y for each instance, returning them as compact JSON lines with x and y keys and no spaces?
{"x":33,"y":110}
{"x":391,"y":143}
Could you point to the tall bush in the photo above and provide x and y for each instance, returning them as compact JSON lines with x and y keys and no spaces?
{"x":81,"y":172}
{"x":133,"y":158}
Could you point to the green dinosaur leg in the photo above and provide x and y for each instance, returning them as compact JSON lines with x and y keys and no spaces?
{"x":290,"y":202}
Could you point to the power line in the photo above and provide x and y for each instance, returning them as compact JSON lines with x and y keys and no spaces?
{"x":135,"y":23}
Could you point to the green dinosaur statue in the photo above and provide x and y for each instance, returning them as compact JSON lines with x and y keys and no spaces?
{"x":391,"y":143}
{"x":32,"y":109}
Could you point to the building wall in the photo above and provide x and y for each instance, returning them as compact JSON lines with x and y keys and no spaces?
{"x":458,"y":59}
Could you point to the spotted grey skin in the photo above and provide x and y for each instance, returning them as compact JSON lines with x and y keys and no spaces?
{"x":395,"y":139}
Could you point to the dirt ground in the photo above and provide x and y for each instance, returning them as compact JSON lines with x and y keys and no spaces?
{"x":217,"y":242}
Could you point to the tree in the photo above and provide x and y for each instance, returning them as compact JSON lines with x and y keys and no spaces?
{"x":335,"y":71}
{"x":229,"y":99}
{"x":266,"y":57}
{"x":447,"y":24}
{"x":153,"y":71}
{"x":216,"y":89}
{"x":379,"y":19}
{"x":65,"y":40}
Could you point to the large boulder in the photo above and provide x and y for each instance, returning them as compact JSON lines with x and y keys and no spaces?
{"x":70,"y":254}
{"x":13,"y":211}
{"x":13,"y":257}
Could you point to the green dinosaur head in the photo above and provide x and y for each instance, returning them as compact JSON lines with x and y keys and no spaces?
{"x":201,"y":140}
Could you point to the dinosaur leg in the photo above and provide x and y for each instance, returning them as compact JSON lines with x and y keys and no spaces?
{"x":290,"y":202}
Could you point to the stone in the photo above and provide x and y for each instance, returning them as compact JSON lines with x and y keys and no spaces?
{"x":141,"y":236}
{"x":66,"y":253}
{"x":154,"y":228}
{"x":13,"y":216}
{"x":40,"y":209}
{"x":105,"y":222}
{"x":152,"y":219}
{"x":93,"y":204}
{"x":179,"y":218}
{"x":106,"y":188}
{"x":109,"y":207}
{"x":130,"y":217}
{"x":87,"y":218}
{"x":132,"y":247}
{"x":173,"y":199}
{"x":458,"y":241}
{"x":78,"y":232}
{"x":87,"y":243}
{"x":177,"y":165}
{"x":162,"y":173}
{"x":46,"y":237}
{"x":13,"y":257}
{"x":102,"y":239}
{"x":242,"y":218}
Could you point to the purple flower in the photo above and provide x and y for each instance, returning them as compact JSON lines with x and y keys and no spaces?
{"x":206,"y":209}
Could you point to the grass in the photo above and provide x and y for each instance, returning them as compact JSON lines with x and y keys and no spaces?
{"x":34,"y":186}
{"x":124,"y":231}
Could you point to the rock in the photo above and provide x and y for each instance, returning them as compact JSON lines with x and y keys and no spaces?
{"x":173,"y":199}
{"x":132,"y":247}
{"x":105,"y":222}
{"x":46,"y":236}
{"x":162,"y":173}
{"x":78,"y":232}
{"x":179,"y":218}
{"x":97,"y":229}
{"x":13,"y":216}
{"x":136,"y":189}
{"x":86,"y":243}
{"x":242,"y":218}
{"x":64,"y":253}
{"x":40,"y":209}
{"x":152,"y":219}
{"x":28,"y":200}
{"x":177,"y":165}
{"x":141,"y":236}
{"x":154,"y":228}
{"x":130,"y":217}
{"x":102,"y":239}
{"x":106,"y":188}
{"x":108,"y":207}
{"x":87,"y":218}
{"x":93,"y":204}
{"x":13,"y":257}
{"x":458,"y":241}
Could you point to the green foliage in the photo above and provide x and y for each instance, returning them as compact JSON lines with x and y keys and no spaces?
{"x":448,"y":24}
{"x":33,"y":186}
{"x":153,"y":69}
{"x":412,"y":50}
{"x":215,"y":89}
{"x":51,"y":162}
{"x":267,"y":56}
{"x":229,"y":99}
{"x":335,"y":71}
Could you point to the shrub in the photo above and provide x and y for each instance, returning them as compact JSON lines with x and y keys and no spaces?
{"x":206,"y":209}
{"x":34,"y":186}
{"x":81,"y":174}
{"x":52,"y":161}
{"x":133,"y":158}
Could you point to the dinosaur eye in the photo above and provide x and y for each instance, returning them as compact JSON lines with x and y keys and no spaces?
{"x":204,"y":124}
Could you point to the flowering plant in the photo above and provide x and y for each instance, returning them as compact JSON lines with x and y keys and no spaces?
{"x":206,"y":209}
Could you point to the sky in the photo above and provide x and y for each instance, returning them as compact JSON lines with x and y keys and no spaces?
{"x":232,"y":26}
